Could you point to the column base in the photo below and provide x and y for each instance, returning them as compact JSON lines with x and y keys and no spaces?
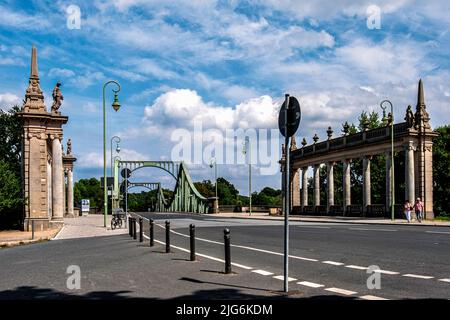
{"x":40,"y":224}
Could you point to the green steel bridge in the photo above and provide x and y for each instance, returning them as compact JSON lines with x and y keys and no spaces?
{"x":185,"y":198}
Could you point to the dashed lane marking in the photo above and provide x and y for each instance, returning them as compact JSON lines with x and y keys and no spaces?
{"x":282,"y":278}
{"x":438,"y":232}
{"x":314,"y":227}
{"x":369,"y":297}
{"x":341,"y":291}
{"x":310,"y":284}
{"x":410,"y":275}
{"x":366,"y":229}
{"x":334,"y":263}
{"x":386,"y":272}
{"x":263,"y":272}
{"x":444,"y":280}
{"x":351,"y":266}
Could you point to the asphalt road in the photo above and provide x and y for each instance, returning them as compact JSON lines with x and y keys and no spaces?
{"x":414,"y":260}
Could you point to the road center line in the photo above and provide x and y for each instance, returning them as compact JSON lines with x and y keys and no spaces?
{"x":365,"y":229}
{"x":310,"y":284}
{"x":356,"y":267}
{"x":316,"y":227}
{"x":444,"y":280}
{"x":263,"y":272}
{"x":282,"y":278}
{"x":417,"y":276}
{"x":438,"y":232}
{"x":334,"y":263}
{"x":386,"y":272}
{"x":341,"y":291}
{"x":369,"y":297}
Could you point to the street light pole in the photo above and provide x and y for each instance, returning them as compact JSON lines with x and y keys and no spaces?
{"x":244,"y":151}
{"x":213,"y":162}
{"x":117,"y":140}
{"x":116,"y":106}
{"x":392,"y":156}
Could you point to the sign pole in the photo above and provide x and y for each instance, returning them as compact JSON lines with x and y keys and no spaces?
{"x":286,"y":197}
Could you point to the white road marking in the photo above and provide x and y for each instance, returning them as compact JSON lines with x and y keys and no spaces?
{"x":263,"y":272}
{"x":316,"y":227}
{"x":444,"y":280}
{"x":439,"y":232}
{"x":202,"y":255}
{"x":417,"y":276}
{"x":386,"y":272}
{"x":364,"y":229}
{"x":369,"y":297}
{"x":282,"y":278}
{"x":310,"y":284}
{"x":334,"y":263}
{"x":341,"y":291}
{"x":356,"y":267}
{"x":248,"y":248}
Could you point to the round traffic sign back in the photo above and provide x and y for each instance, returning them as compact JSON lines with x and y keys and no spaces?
{"x":294,"y":116}
{"x":125,"y":173}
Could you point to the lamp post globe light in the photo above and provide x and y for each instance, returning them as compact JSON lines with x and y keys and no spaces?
{"x":116,"y":106}
{"x":391,"y":119}
{"x":113,"y":203}
{"x":245,"y":146}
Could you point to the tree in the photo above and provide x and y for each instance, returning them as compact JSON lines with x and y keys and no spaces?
{"x":441,"y":171}
{"x":89,"y":189}
{"x":11,"y":195}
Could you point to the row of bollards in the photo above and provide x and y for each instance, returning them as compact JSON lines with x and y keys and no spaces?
{"x":132,"y":232}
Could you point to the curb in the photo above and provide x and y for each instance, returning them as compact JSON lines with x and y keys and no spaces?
{"x":17,"y":243}
{"x":298,"y":219}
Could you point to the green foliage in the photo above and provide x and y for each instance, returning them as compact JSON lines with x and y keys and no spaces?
{"x":11,"y":197}
{"x":441,"y":171}
{"x":88,"y":189}
{"x":267,"y":196}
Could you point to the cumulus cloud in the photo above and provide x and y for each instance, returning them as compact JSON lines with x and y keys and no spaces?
{"x":8,"y":100}
{"x":183,"y":107}
{"x":60,"y":73}
{"x":95,"y":159}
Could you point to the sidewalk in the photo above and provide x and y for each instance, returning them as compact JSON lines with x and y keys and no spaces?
{"x":351,"y":220}
{"x":12,"y":238}
{"x":88,"y":226}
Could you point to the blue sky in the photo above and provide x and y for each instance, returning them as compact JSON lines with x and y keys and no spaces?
{"x":225,"y":63}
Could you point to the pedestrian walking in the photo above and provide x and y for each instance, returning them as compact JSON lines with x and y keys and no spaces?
{"x":407,"y":210}
{"x":418,"y":208}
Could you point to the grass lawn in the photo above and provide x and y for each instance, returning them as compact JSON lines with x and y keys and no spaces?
{"x":443,"y":218}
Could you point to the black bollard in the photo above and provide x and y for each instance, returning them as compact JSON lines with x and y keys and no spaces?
{"x":130,"y":230}
{"x":32,"y":229}
{"x":152,"y":233}
{"x":226,"y":238}
{"x":167,"y":236}
{"x":134,"y":229}
{"x":141,"y":230}
{"x":192,"y":234}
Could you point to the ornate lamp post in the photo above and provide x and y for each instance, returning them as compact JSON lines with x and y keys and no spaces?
{"x":117,"y":140}
{"x":246,"y":145}
{"x":212,"y":163}
{"x":116,"y":107}
{"x":391,"y":119}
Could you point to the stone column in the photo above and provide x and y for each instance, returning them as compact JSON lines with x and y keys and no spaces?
{"x":57,"y":180}
{"x":317,"y":185}
{"x":388,"y":181}
{"x":346,"y":184}
{"x":409,"y":174}
{"x":295,"y":188}
{"x":330,"y":184}
{"x":366,"y":182}
{"x":304,"y":187}
{"x":70,"y":192}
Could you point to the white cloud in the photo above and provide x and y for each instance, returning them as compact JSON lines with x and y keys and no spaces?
{"x":180,"y":108}
{"x":95,"y":159}
{"x":88,"y":79}
{"x":60,"y":73}
{"x":8,"y":100}
{"x":15,"y":19}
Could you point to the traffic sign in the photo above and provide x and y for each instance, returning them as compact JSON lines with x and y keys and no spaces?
{"x":294,"y":116}
{"x":125,"y":173}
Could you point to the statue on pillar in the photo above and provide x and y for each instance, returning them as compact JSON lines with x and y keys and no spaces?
{"x":57,"y":98}
{"x":69,"y":146}
{"x":409,"y":117}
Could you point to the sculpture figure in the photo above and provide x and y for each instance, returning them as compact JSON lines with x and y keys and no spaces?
{"x":57,"y":98}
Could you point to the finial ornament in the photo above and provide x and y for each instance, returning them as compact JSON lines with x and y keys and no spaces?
{"x":34,"y":98}
{"x":315,"y":138}
{"x":329,"y":133}
{"x":346,"y":128}
{"x":69,"y":146}
{"x":304,"y":143}
{"x":422,"y":119}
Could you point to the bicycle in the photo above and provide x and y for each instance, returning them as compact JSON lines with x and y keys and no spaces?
{"x":117,"y":220}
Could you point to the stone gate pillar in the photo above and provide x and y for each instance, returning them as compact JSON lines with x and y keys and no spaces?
{"x":57,"y":180}
{"x":409,"y":174}
{"x":317,"y":185}
{"x":346,"y":185}
{"x":366,"y":182}
{"x":304,"y":187}
{"x":330,"y":184}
